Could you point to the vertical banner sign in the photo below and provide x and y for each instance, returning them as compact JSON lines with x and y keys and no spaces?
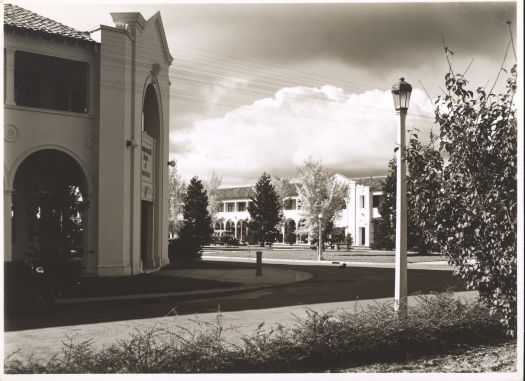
{"x":147,"y":167}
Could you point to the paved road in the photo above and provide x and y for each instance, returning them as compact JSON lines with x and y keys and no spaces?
{"x":329,"y":284}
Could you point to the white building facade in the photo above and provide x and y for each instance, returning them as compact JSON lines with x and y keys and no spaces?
{"x":100,"y":101}
{"x":362,"y":204}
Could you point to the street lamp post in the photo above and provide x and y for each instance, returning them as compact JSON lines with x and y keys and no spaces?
{"x":401,"y":92}
{"x":320,"y":251}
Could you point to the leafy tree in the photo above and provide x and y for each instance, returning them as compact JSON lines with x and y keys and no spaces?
{"x":212,"y":185}
{"x":327,"y":230}
{"x":337,"y":236}
{"x":265,"y":212}
{"x":176,"y":189}
{"x":385,"y":225}
{"x":349,"y":241}
{"x":319,"y":193}
{"x":472,"y":216}
{"x":281,"y":185}
{"x":197,"y":229}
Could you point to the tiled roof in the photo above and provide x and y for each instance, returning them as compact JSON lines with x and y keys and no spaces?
{"x":234,"y":193}
{"x":239,"y":193}
{"x":20,"y":18}
{"x":375,"y":183}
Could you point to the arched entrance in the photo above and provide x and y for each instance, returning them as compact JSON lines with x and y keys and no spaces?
{"x":49,"y":207}
{"x":149,"y":208}
{"x":230,"y":226}
{"x":242,"y":230}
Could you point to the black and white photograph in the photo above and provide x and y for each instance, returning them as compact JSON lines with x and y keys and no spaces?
{"x":274,"y":190}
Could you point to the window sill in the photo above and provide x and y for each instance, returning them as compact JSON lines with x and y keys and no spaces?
{"x":49,"y":111}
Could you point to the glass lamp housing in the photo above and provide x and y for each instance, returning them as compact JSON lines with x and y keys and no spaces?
{"x":401,"y":93}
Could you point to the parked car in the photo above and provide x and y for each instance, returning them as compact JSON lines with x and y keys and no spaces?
{"x":232,"y":241}
{"x":221,"y":237}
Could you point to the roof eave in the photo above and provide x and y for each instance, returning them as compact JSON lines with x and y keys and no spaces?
{"x":50,"y":36}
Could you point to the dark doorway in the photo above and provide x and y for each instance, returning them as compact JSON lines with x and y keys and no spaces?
{"x":49,"y":214}
{"x":150,"y":213}
{"x":146,"y":234}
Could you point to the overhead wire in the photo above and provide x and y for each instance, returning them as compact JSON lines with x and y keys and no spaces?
{"x":188,"y":71}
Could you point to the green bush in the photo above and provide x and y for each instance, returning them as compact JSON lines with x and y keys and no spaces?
{"x":290,"y":237}
{"x":183,"y":249}
{"x":318,"y":343}
{"x":466,"y":189}
{"x":349,"y":240}
{"x":196,"y":231}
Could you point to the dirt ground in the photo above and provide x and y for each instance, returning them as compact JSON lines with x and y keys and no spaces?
{"x":485,"y":358}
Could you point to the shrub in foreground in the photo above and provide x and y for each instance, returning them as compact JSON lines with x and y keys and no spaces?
{"x":317,"y":343}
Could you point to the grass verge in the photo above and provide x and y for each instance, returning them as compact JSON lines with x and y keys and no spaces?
{"x":320,"y":342}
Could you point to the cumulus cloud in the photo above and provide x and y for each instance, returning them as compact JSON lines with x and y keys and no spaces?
{"x":353,"y":134}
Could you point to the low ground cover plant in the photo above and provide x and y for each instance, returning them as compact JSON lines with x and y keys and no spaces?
{"x":317,"y":343}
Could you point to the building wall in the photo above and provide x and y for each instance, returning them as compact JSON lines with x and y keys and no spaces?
{"x":29,"y":129}
{"x":121,"y":121}
{"x":355,"y":218}
{"x":237,"y":216}
{"x":128,"y":60}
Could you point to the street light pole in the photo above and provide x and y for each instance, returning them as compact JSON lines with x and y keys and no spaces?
{"x":320,"y":250}
{"x":401,"y":92}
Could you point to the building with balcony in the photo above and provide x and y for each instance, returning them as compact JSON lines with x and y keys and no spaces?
{"x":362,"y":204}
{"x":90,"y":109}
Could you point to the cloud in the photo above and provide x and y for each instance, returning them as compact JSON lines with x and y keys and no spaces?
{"x":352,"y":133}
{"x":223,"y":88}
{"x":371,"y":35}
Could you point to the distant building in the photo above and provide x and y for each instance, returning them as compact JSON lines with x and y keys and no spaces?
{"x":99,"y":102}
{"x":362,"y":204}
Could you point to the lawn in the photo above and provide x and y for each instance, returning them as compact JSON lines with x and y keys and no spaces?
{"x":287,"y":252}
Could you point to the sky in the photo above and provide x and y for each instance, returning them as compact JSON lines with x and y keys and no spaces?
{"x":263,"y":87}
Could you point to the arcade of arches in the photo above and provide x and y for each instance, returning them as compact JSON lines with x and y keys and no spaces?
{"x":290,"y":231}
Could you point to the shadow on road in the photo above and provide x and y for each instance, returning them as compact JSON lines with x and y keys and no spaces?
{"x":329,"y":284}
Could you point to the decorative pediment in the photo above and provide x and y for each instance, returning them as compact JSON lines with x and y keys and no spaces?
{"x":156,"y":20}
